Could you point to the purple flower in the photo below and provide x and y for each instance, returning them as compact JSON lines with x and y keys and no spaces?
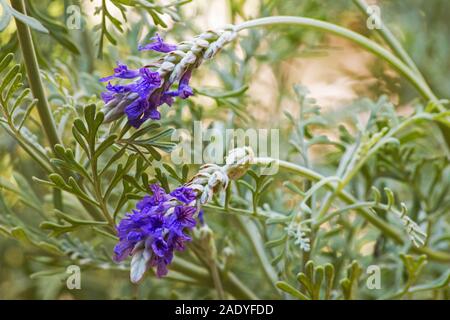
{"x":140,"y":109}
{"x":184,"y":194}
{"x":201,"y":217}
{"x":178,"y":240}
{"x":135,"y":112}
{"x":184,"y":90}
{"x":148,"y":81}
{"x":158,"y":226}
{"x":122,"y":72}
{"x":107,"y":96}
{"x":135,"y":236}
{"x":113,"y":91}
{"x":117,"y":88}
{"x":161,"y":263}
{"x":146,"y":91}
{"x":158,"y":44}
{"x":155,"y":226}
{"x":159,"y":194}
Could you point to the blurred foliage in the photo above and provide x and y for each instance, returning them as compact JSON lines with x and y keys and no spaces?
{"x":395,"y":172}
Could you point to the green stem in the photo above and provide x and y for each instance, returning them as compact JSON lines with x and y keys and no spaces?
{"x":366,"y":43}
{"x":395,"y":45}
{"x":206,"y":252}
{"x":367,"y":204}
{"x":27,"y":146}
{"x":387,"y":229}
{"x":98,"y":190}
{"x":390,"y":39}
{"x":34,"y":78}
{"x":231,"y":283}
{"x":251,"y":233}
{"x":102,"y":204}
{"x":343,"y":195}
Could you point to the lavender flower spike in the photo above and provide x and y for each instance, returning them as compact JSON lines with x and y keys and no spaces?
{"x":161,"y":81}
{"x":160,"y":224}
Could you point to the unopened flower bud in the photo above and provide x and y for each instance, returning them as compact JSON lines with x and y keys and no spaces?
{"x":238,"y":161}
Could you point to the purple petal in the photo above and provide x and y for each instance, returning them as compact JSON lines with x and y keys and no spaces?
{"x":107,"y":96}
{"x":122,"y":250}
{"x":201,"y":217}
{"x":135,"y":109}
{"x":158,"y":44}
{"x":177,"y":240}
{"x":121,"y":72}
{"x":184,"y":89}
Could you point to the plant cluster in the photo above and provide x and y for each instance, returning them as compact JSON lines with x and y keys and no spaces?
{"x":86,"y":177}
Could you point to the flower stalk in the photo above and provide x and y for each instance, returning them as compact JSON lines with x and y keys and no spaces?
{"x":34,"y":77}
